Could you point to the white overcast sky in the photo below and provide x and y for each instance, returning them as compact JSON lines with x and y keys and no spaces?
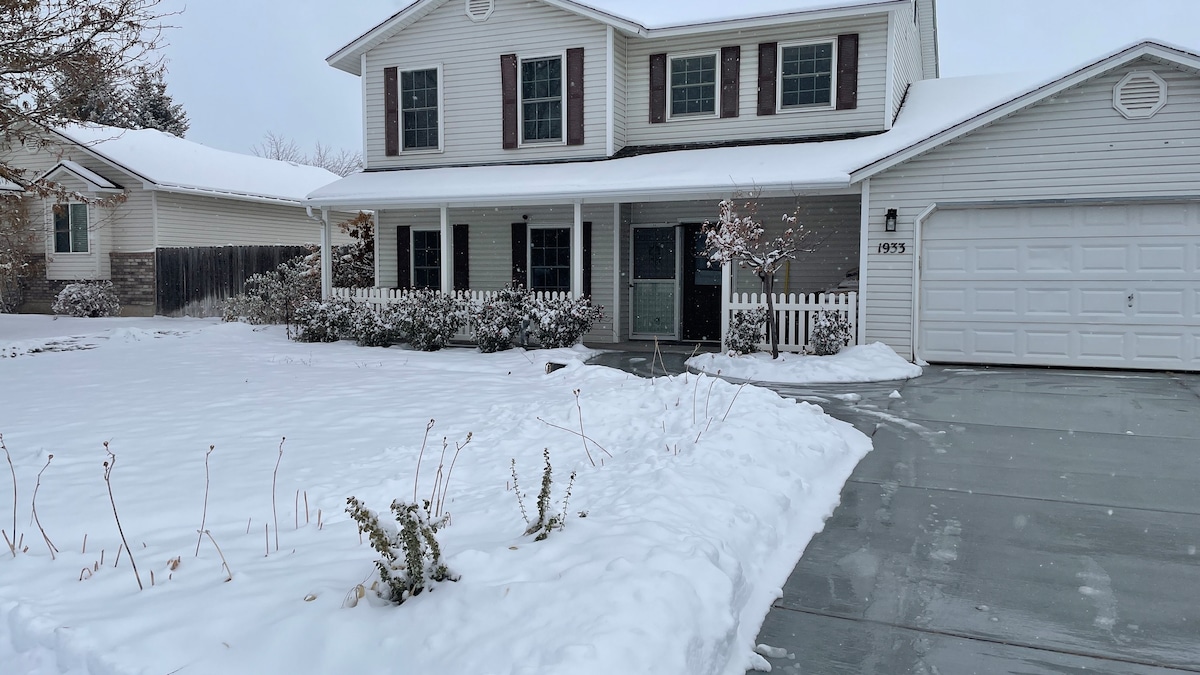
{"x":242,"y":68}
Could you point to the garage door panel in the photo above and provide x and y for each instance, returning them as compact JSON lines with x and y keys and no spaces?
{"x":1109,"y":286}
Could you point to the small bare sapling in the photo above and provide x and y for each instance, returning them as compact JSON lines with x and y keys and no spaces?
{"x":204,"y":512}
{"x":109,"y":464}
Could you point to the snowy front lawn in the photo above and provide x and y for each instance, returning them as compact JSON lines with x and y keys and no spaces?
{"x":703,"y":496}
{"x":875,"y":362}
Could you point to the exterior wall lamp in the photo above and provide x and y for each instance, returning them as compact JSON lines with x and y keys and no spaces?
{"x":889,"y":221}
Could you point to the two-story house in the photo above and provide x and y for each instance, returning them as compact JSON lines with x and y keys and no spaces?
{"x":579,"y":145}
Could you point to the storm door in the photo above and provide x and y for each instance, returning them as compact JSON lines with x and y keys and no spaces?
{"x":701,"y":302}
{"x":655,"y":285}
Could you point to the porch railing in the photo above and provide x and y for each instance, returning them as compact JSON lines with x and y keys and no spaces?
{"x":796,"y":313}
{"x":377,"y":298}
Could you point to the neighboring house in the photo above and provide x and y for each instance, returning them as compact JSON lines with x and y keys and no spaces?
{"x":580,"y":144}
{"x":185,"y":205}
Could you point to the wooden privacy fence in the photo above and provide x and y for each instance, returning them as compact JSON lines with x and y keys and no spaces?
{"x":196,"y":281}
{"x":796,"y":314}
{"x":377,"y":298}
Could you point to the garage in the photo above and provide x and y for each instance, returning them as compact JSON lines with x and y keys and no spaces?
{"x":1113,"y":285}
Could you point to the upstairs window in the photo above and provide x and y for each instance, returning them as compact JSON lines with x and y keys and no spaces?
{"x":694,"y":85}
{"x":70,"y":228}
{"x":541,"y":99}
{"x":427,"y":259}
{"x":806,"y":75}
{"x":550,"y":259}
{"x":419,"y":103}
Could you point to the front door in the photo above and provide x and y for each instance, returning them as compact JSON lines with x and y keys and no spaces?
{"x":654,"y":285}
{"x":701,"y":306}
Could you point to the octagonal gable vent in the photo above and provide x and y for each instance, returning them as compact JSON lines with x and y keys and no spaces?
{"x":1140,"y":94}
{"x":480,"y":10}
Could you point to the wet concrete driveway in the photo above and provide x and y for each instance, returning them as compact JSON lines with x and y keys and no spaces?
{"x":1008,"y":521}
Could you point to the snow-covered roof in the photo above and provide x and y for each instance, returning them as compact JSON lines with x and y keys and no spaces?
{"x":170,"y":163}
{"x":636,"y":17}
{"x":9,"y":186}
{"x":932,"y":106}
{"x":83,"y":173}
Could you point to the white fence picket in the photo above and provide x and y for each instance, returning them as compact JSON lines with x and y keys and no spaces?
{"x":796,"y":313}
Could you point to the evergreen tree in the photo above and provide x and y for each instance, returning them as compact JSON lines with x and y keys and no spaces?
{"x":151,"y":107}
{"x":89,"y":94}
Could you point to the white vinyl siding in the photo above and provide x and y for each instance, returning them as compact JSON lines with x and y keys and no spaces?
{"x":1073,"y":146}
{"x":867,"y":117}
{"x":188,"y":220}
{"x":927,"y":23}
{"x":490,"y":245}
{"x":832,"y":219}
{"x":906,"y":55}
{"x":471,"y":92}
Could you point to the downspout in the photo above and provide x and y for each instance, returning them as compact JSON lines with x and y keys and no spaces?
{"x":326,"y":251}
{"x":610,"y":147}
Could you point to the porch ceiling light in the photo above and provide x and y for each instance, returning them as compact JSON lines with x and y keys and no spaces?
{"x":889,"y":221}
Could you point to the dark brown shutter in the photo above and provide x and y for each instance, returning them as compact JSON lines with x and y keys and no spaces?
{"x":587,"y":259}
{"x":391,"y":113}
{"x":766,"y":77}
{"x":658,"y":88}
{"x":462,"y":258}
{"x":731,"y":71}
{"x":520,"y":254}
{"x":575,"y":96}
{"x":847,"y":75}
{"x":508,"y":107}
{"x":403,"y":256}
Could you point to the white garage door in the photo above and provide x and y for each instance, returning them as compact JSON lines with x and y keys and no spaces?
{"x":1097,"y":286}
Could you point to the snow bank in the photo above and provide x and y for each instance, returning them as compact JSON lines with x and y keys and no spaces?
{"x":864,"y":363}
{"x":704,"y":495}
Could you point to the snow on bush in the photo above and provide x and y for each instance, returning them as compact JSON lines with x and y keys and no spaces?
{"x":377,"y":328}
{"x":274,"y":297}
{"x":87,"y":299}
{"x":327,"y":321}
{"x":428,"y":319}
{"x":746,"y":331}
{"x":498,"y":320}
{"x":831,"y":332}
{"x":410,"y":557}
{"x":562,"y":322}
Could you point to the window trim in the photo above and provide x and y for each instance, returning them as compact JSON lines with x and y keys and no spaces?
{"x":441,"y":135}
{"x":529,"y":254}
{"x":716,"y":111}
{"x":562,"y":95}
{"x":70,"y":240}
{"x":412,"y":256}
{"x":833,"y":75}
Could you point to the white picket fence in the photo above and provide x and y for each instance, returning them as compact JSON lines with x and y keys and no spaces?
{"x":377,"y":298}
{"x":795,"y":314}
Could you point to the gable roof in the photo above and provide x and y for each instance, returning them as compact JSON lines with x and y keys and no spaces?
{"x":93,"y":179}
{"x":171,"y":164}
{"x":1040,"y":91}
{"x":649,"y":18}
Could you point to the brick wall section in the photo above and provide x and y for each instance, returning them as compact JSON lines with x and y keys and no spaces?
{"x":37,"y":291}
{"x":133,"y":280}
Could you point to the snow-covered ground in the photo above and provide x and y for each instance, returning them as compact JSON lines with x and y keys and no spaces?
{"x":875,"y":362}
{"x":702,"y":499}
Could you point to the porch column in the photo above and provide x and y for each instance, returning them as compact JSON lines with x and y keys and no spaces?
{"x":577,"y":252}
{"x":447,"y":281}
{"x":326,"y":256}
{"x":726,"y":294}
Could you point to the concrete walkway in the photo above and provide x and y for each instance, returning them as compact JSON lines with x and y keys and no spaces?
{"x":1008,"y":521}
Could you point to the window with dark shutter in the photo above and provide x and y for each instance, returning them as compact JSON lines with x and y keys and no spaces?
{"x":403,"y":256}
{"x":508,"y":85}
{"x":847,"y":72}
{"x":575,"y":96}
{"x":658,"y":88}
{"x":767,"y":53}
{"x":520,"y":249}
{"x":587,"y":258}
{"x":391,"y":112}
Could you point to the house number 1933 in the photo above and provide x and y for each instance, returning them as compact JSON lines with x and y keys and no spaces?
{"x":889,"y":247}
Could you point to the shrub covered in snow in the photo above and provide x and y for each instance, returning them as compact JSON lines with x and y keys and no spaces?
{"x":563,"y":321}
{"x":87,"y":299}
{"x":498,"y":320}
{"x":410,"y":557}
{"x":746,"y":331}
{"x":379,"y":328}
{"x":275,"y":296}
{"x":327,"y":321}
{"x":428,"y":319}
{"x":830,"y":332}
